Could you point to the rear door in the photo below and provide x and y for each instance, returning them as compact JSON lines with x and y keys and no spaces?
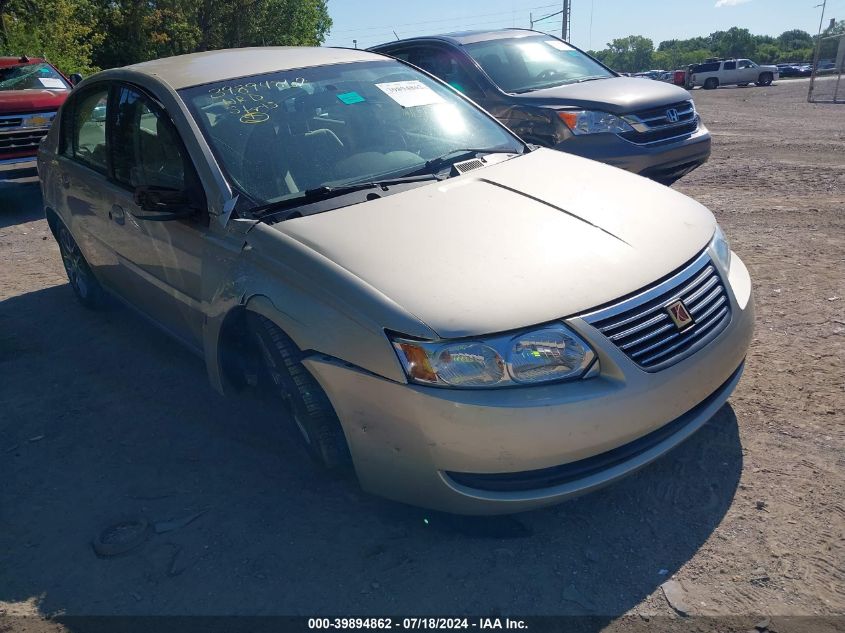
{"x":729,"y":73}
{"x":83,"y":165}
{"x":160,"y":261}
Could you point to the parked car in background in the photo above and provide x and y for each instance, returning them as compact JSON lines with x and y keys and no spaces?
{"x":468,"y":322}
{"x":553,"y":94}
{"x":726,"y":72}
{"x":31,"y":91}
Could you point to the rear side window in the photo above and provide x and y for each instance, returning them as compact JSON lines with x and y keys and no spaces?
{"x":730,"y":65}
{"x":445,"y":65}
{"x":84,"y":126}
{"x":709,"y":67}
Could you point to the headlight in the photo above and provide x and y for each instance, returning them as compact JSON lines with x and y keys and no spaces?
{"x":593,"y":122}
{"x":721,"y":248}
{"x":545,"y":354}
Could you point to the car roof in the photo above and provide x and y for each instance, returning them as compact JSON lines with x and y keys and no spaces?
{"x":460,"y":38}
{"x":194,"y":69}
{"x":19,"y":61}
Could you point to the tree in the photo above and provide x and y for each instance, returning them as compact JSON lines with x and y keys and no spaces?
{"x":628,"y":54}
{"x":61,"y":30}
{"x":146,"y":29}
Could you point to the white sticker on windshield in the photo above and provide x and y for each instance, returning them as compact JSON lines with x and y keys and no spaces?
{"x":410,"y":93}
{"x":51,"y":82}
{"x":561,"y":46}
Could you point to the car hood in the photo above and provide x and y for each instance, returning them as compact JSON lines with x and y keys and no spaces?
{"x":619,"y":95}
{"x":23,"y":101}
{"x":522,"y":242}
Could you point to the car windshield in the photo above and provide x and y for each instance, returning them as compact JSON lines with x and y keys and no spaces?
{"x":31,"y":77}
{"x":281,"y":134}
{"x":523,"y":64}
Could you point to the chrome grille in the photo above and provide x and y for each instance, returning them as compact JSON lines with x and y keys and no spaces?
{"x":10,"y":122}
{"x":21,"y":141}
{"x":654,"y":126}
{"x":641,"y":326}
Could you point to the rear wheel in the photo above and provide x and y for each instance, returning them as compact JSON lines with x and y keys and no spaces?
{"x":307,"y":403}
{"x":85,"y":286}
{"x":765,"y":79}
{"x":711,"y":83}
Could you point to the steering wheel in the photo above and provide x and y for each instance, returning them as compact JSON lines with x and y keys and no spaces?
{"x":395,"y":132}
{"x":548,"y":73}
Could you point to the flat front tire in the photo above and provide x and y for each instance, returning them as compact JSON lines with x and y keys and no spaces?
{"x":306,"y":402}
{"x":85,"y":286}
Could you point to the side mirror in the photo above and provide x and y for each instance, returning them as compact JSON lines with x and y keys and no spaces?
{"x":163,"y":204}
{"x":75,"y":78}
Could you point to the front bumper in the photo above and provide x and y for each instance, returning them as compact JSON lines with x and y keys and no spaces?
{"x":660,"y":161}
{"x":406,"y":439}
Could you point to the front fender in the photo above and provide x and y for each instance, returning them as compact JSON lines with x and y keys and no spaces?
{"x":322,"y":307}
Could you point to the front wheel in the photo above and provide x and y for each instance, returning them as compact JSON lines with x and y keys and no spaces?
{"x":765,"y":79}
{"x":306,"y":402}
{"x":85,"y":286}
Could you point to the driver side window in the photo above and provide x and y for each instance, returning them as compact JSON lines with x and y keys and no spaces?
{"x":146,"y":148}
{"x":744,"y":63}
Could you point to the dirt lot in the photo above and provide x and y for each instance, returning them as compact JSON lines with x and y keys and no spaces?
{"x":102,"y":417}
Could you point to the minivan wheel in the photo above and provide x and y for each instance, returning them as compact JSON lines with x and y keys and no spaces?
{"x":306,"y":402}
{"x":86,"y":287}
{"x":711,"y":83}
{"x":765,"y":79}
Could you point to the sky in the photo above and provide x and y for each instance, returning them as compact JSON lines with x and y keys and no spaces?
{"x":594,"y":22}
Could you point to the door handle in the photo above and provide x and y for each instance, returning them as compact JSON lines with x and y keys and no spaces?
{"x":117,"y":214}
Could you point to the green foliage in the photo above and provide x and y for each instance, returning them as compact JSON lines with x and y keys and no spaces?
{"x":64,"y":31}
{"x":84,"y":35}
{"x":635,"y":53}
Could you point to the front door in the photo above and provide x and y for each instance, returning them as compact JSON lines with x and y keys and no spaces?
{"x":161,"y":261}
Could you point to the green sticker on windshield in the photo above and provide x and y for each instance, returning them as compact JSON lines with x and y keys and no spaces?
{"x":350,"y":97}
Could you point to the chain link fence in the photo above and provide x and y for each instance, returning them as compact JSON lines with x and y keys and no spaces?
{"x":826,"y":82}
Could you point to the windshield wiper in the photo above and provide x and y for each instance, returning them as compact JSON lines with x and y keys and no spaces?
{"x":327,"y":192}
{"x":435,"y":164}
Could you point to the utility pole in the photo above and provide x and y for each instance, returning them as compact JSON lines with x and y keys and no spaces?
{"x":565,"y":25}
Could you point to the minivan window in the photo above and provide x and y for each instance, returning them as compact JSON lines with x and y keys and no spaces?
{"x":279,"y":134}
{"x":523,"y":64}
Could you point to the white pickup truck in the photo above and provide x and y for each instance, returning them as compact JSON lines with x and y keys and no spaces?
{"x":723,"y":72}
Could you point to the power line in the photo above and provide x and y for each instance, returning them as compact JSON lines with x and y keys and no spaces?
{"x":388,"y":27}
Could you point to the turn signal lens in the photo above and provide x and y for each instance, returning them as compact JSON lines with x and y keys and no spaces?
{"x":570,"y":118}
{"x":416,"y":362}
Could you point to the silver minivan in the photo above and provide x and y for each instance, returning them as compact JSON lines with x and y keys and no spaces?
{"x":553,"y":94}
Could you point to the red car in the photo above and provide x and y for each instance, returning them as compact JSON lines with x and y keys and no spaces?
{"x":31,"y":92}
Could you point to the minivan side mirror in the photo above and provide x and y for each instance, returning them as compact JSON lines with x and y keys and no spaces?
{"x":163,"y":204}
{"x":75,"y":78}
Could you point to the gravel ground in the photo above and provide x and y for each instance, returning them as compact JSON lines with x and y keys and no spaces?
{"x":103,"y":417}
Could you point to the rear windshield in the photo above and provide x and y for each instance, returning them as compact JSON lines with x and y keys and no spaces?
{"x":523,"y":64}
{"x":32,"y":77}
